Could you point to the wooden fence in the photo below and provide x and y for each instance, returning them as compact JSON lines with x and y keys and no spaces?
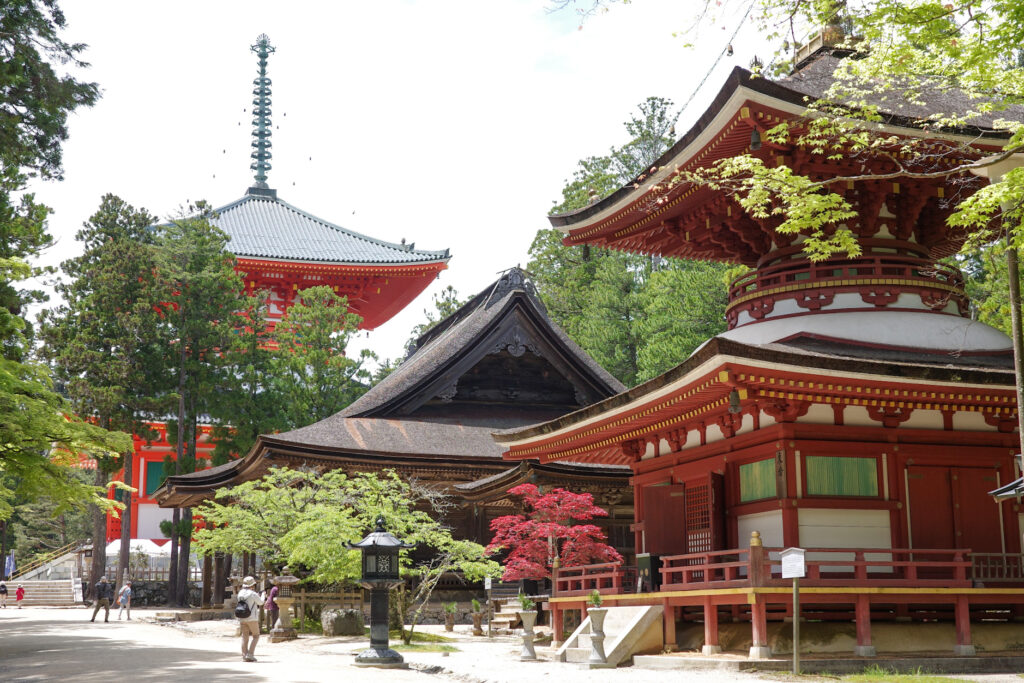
{"x":346,"y":599}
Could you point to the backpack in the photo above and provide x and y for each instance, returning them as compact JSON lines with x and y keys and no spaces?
{"x":242,"y":610}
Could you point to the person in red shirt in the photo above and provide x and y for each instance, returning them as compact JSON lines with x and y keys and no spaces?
{"x":19,"y":595}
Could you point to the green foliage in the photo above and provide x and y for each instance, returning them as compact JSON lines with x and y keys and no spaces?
{"x":105,"y":340}
{"x":449,"y":607}
{"x":315,"y":378}
{"x":595,"y":599}
{"x":525,"y":603}
{"x":475,"y":604}
{"x":39,"y":528}
{"x":621,"y":308}
{"x":36,"y":99}
{"x":39,"y":443}
{"x":304,"y":519}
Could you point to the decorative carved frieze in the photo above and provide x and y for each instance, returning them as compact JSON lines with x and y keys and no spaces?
{"x":889,"y":416}
{"x":759,"y":308}
{"x":879,"y":297}
{"x":784,"y":410}
{"x":448,"y":393}
{"x":1004,"y":422}
{"x":516,"y":343}
{"x":814,"y":300}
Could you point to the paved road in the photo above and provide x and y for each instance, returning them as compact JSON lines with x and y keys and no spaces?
{"x":59,"y":644}
{"x":39,"y":644}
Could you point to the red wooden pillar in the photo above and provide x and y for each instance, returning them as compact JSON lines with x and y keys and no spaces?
{"x":758,"y":628}
{"x":964,"y":647}
{"x":669,"y":618}
{"x":711,"y":646}
{"x":557,"y":625}
{"x":863,"y":617}
{"x":638,"y":518}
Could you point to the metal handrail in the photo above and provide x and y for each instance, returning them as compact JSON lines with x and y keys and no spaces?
{"x":44,"y":560}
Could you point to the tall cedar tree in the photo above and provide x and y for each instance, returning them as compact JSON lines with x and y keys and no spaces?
{"x":603,"y":298}
{"x":34,"y":109}
{"x":550,"y":527}
{"x":105,"y":340}
{"x":314,"y":376}
{"x":250,"y":403}
{"x":205,"y":305}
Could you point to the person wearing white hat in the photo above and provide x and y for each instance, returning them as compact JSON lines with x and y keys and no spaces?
{"x":247,"y":613}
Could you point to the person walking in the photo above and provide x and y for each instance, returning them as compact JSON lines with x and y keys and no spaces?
{"x":271,"y":606}
{"x":3,"y":594}
{"x":247,"y":613}
{"x":124,"y":599}
{"x":104,"y":595}
{"x":19,"y":595}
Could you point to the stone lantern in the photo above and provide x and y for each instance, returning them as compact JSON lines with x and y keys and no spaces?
{"x":283,"y":629}
{"x":380,"y":574}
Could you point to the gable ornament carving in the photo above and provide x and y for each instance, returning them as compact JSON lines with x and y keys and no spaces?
{"x":516,"y":343}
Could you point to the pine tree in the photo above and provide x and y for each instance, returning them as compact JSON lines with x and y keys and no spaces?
{"x":104,"y":340}
{"x":206,"y":296}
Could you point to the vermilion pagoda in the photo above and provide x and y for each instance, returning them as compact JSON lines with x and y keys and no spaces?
{"x":853,"y":407}
{"x":283,"y":250}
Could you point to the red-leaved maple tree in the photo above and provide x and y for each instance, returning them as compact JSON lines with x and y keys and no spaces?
{"x":551,"y":525}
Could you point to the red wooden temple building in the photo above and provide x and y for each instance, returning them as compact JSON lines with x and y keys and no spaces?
{"x":853,"y":408}
{"x":282,"y":249}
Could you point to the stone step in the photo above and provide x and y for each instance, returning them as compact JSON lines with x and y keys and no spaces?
{"x":577,"y":654}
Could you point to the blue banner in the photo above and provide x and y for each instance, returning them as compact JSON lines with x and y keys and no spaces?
{"x":9,"y":565}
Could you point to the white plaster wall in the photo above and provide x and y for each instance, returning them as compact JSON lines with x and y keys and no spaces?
{"x":924,"y":419}
{"x":965,"y":420}
{"x":766,"y":420}
{"x":664,"y":447}
{"x":828,"y":528}
{"x":746,"y":424}
{"x":857,"y":416}
{"x":768,"y":524}
{"x":692,"y":439}
{"x":886,"y":328}
{"x":819,"y":413}
{"x":714,"y":433}
{"x":150,"y":517}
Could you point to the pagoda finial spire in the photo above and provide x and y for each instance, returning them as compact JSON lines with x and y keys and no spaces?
{"x":261,"y":113}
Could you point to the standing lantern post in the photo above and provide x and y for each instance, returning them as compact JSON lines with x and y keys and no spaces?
{"x":380,"y":574}
{"x":794,"y":567}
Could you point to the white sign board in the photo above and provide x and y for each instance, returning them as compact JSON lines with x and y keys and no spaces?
{"x":793,"y":566}
{"x":487,"y":583}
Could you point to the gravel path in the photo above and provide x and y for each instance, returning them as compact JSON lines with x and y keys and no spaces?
{"x":44,"y":644}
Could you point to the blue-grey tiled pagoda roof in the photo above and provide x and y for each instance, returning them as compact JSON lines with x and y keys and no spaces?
{"x":265,"y":227}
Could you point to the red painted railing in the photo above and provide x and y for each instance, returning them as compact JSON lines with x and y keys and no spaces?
{"x":997,"y":568}
{"x":902,"y":267}
{"x":828,"y":567}
{"x":605,"y":578}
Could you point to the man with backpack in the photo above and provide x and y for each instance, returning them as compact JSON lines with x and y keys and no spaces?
{"x":246,"y":611}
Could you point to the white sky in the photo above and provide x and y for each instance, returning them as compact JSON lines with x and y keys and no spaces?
{"x":450,"y":123}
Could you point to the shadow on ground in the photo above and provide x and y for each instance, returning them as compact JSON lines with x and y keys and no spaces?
{"x":41,"y":650}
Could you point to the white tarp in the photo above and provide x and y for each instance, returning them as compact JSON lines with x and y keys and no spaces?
{"x":140,"y":544}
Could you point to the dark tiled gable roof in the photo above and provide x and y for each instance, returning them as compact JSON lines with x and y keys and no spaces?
{"x":817,"y":76}
{"x":266,"y":227}
{"x":439,"y":345}
{"x":811,"y":81}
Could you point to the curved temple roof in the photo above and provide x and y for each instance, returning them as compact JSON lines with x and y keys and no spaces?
{"x":674,"y":220}
{"x":264,"y":227}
